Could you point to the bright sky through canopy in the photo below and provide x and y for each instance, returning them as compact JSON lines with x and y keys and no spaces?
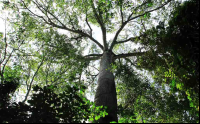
{"x":96,"y":30}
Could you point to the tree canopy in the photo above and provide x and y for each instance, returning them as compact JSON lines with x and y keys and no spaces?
{"x":50,"y":52}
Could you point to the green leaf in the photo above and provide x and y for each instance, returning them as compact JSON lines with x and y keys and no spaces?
{"x":97,"y":118}
{"x":191,"y":104}
{"x":1,"y":35}
{"x":113,"y":122}
{"x":173,"y":83}
{"x":91,"y":119}
{"x":145,"y":15}
{"x":50,"y":87}
{"x":150,"y":4}
{"x":189,"y":98}
{"x":81,"y":92}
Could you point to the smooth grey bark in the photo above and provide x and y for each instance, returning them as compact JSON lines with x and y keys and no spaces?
{"x":106,"y":90}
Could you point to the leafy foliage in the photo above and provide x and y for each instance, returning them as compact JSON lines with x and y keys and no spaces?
{"x":174,"y":50}
{"x":53,"y":61}
{"x":45,"y":106}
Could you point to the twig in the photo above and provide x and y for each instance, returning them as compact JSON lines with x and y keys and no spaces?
{"x":29,"y":89}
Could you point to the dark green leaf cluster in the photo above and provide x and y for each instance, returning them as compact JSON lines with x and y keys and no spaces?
{"x":174,"y":48}
{"x":150,"y":102}
{"x":45,"y":106}
{"x":7,"y":88}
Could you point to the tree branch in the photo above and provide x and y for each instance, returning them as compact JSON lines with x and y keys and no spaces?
{"x":127,"y":59}
{"x":93,"y":57}
{"x":121,"y":13}
{"x":5,"y":53}
{"x":29,"y":73}
{"x":62,"y":26}
{"x":99,"y":55}
{"x":33,"y":79}
{"x":116,"y":35}
{"x":130,"y":39}
{"x":129,"y":55}
{"x":130,"y":19}
{"x":88,"y":25}
{"x":150,"y":10}
{"x":137,"y":8}
{"x":143,"y":26}
{"x":103,"y":29}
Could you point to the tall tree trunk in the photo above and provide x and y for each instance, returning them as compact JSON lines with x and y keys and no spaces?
{"x":106,"y":91}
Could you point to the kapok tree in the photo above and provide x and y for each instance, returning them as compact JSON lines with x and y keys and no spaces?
{"x":126,"y":19}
